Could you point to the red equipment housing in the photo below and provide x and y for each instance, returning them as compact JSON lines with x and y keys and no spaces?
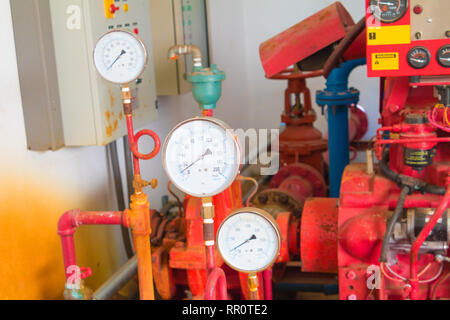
{"x":410,"y":192}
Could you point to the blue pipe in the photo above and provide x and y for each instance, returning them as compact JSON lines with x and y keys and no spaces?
{"x":338,"y":97}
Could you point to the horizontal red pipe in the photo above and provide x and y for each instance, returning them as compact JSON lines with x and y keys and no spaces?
{"x":71,"y":220}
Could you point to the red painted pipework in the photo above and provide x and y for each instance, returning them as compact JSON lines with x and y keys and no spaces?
{"x":421,"y":238}
{"x":267,"y":276}
{"x":73,"y":219}
{"x":132,"y":142}
{"x":216,"y":278}
{"x":210,"y":261}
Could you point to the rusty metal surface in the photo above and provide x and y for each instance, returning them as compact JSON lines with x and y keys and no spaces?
{"x":319,"y":235}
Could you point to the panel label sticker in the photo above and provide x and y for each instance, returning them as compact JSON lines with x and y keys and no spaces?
{"x":385,"y":61}
{"x":377,"y":36}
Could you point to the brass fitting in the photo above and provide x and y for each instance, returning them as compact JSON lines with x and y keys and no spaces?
{"x":253,"y":286}
{"x":139,"y":183}
{"x":207,"y":208}
{"x":195,"y":51}
{"x":127,"y":100}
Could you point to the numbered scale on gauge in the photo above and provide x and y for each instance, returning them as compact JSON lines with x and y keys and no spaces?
{"x":120,"y":57}
{"x":249,"y":240}
{"x":389,"y":11}
{"x":202,"y":157}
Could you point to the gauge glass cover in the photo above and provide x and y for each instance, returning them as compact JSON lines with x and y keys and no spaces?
{"x":249,"y":240}
{"x":388,"y":11}
{"x":120,"y":57}
{"x":419,"y":57}
{"x":443,"y":56}
{"x":202,"y":157}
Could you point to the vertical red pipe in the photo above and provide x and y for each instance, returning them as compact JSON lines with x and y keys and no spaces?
{"x":210,"y":261}
{"x":267,"y":275}
{"x":131,"y":141}
{"x":216,"y":277}
{"x":421,"y":238}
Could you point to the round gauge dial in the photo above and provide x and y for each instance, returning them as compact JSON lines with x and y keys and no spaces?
{"x":202,"y":157}
{"x":120,"y":57}
{"x":443,"y":56}
{"x":249,"y":240}
{"x":419,"y":57}
{"x":388,"y":11}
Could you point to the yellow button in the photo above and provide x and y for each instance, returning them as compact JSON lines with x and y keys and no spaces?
{"x":125,"y":7}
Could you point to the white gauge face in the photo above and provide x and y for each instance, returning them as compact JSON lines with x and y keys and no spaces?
{"x":248,"y":242}
{"x":120,"y":57}
{"x":201,"y":157}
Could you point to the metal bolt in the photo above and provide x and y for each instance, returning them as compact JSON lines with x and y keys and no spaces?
{"x":351,"y":275}
{"x":418,"y":35}
{"x":447,"y":33}
{"x":352,"y":297}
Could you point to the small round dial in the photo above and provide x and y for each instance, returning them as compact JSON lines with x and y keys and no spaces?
{"x":120,"y":57}
{"x":419,"y":57}
{"x":249,"y":240}
{"x":389,"y":11}
{"x":202,"y":157}
{"x":443,"y":56}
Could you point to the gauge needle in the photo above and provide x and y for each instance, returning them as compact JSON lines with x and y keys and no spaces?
{"x":120,"y":55}
{"x":208,"y":152}
{"x":253,"y":237}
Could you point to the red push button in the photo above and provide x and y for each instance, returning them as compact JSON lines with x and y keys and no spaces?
{"x":114,"y":9}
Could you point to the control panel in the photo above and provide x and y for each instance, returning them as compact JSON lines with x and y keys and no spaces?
{"x":408,"y":38}
{"x":65,"y":101}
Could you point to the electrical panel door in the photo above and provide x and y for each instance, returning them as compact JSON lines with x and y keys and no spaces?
{"x":65,"y":101}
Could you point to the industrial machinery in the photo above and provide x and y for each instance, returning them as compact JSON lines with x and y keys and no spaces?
{"x":302,"y":148}
{"x":387,"y":235}
{"x":120,"y":57}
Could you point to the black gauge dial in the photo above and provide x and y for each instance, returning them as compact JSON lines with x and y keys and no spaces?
{"x":419,"y":57}
{"x":388,"y":11}
{"x":443,"y":56}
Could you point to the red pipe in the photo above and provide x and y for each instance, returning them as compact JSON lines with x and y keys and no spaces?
{"x":267,"y":275}
{"x":421,"y":238}
{"x":210,"y":261}
{"x":71,"y":220}
{"x":216,"y":277}
{"x":132,"y":142}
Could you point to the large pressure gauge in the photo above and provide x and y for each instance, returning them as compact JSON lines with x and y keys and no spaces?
{"x":202,"y":157}
{"x":120,"y":57}
{"x":249,"y":240}
{"x":388,"y":11}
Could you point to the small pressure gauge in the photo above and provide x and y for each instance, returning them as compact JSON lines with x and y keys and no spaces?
{"x":249,"y":240}
{"x":202,"y":157}
{"x":419,"y":57}
{"x":443,"y":56}
{"x":120,"y":57}
{"x":389,"y":11}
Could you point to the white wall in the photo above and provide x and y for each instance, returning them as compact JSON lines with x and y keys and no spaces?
{"x":240,"y":26}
